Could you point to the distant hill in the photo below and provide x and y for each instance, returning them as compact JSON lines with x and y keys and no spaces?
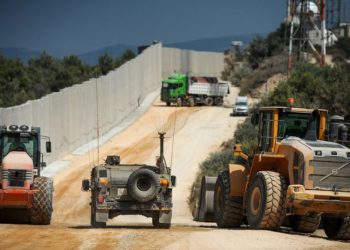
{"x":21,"y":53}
{"x":215,"y":44}
{"x":114,"y":51}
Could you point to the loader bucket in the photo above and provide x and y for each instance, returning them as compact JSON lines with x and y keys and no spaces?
{"x":205,"y":209}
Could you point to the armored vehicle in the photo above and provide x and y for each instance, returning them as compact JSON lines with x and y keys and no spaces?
{"x":131,"y":189}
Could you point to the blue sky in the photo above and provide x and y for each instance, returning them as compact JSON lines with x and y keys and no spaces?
{"x":77,"y":26}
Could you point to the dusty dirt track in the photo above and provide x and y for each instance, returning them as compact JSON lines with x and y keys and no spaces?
{"x":198,"y":131}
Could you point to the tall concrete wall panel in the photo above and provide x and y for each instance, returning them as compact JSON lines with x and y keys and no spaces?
{"x":69,"y":117}
{"x":192,"y":62}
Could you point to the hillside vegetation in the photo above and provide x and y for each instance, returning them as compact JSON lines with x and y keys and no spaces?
{"x":21,"y":82}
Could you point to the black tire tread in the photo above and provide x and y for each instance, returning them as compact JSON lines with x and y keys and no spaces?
{"x":209,"y":101}
{"x":135,"y":193}
{"x":42,"y":201}
{"x":276,"y":189}
{"x":308,"y":223}
{"x":232,"y":215}
{"x":341,"y":232}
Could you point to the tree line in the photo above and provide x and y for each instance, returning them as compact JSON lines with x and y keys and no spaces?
{"x":20,"y":82}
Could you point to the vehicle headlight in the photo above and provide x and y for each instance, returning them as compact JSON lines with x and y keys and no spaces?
{"x":318,"y":152}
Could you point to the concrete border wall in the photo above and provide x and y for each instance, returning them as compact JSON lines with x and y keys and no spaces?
{"x":69,"y":116}
{"x":192,"y":62}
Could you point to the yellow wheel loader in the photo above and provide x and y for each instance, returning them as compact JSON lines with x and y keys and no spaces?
{"x":295,"y":178}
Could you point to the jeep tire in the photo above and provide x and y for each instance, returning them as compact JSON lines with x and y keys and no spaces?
{"x":143,"y":185}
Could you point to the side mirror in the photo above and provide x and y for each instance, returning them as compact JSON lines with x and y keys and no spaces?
{"x":43,"y":164}
{"x":85,"y":185}
{"x":173,"y":180}
{"x":48,"y":147}
{"x":254,"y":119}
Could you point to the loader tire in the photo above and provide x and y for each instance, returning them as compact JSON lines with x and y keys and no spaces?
{"x":337,"y":228}
{"x":209,"y":101}
{"x":228,"y":210}
{"x":306,"y":223}
{"x":41,"y":211}
{"x":265,"y":200}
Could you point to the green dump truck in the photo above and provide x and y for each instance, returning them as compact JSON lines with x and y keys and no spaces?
{"x":182,"y":90}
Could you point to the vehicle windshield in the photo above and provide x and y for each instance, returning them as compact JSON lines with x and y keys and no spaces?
{"x":293,"y":124}
{"x":16,"y":142}
{"x":241,"y":104}
{"x":171,"y":85}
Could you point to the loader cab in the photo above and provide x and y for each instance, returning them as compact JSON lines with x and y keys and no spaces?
{"x":23,"y":138}
{"x":278,"y":123}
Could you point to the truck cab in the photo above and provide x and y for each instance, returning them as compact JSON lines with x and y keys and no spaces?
{"x":174,"y":88}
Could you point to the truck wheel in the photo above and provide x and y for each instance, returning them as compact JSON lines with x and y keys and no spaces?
{"x":337,"y":228}
{"x":228,"y":211}
{"x":219,"y":101}
{"x":42,"y":201}
{"x":143,"y":185}
{"x":93,"y":222}
{"x":266,"y":198}
{"x":191,"y":102}
{"x":168,"y":104}
{"x":179,"y":102}
{"x":157,"y":224}
{"x":209,"y":101}
{"x":305,"y":224}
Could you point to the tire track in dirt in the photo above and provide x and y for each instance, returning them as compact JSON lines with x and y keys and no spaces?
{"x":67,"y":189}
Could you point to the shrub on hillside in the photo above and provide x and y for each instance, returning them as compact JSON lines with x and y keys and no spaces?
{"x":315,"y":87}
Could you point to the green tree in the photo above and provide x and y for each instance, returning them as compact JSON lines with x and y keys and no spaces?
{"x":257,"y":51}
{"x":105,"y":63}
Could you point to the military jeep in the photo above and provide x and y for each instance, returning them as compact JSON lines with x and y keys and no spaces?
{"x":131,"y":189}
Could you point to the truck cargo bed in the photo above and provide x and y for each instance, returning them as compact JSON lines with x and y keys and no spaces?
{"x":208,"y":89}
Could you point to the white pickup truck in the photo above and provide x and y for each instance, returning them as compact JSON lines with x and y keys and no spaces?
{"x":241,"y":106}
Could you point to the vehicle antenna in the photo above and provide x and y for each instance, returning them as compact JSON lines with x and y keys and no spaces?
{"x":97,"y":123}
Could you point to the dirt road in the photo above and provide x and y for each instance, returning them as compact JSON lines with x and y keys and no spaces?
{"x":198,"y":131}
